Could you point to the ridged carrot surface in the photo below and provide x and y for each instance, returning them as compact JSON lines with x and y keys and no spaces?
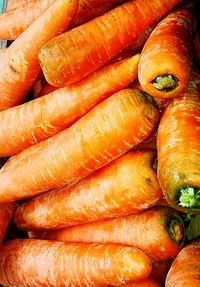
{"x":42,"y":118}
{"x":165,"y":65}
{"x":6,"y":212}
{"x":150,"y":282}
{"x":158,"y":231}
{"x":185,"y":269}
{"x":77,"y":53}
{"x":105,"y":133}
{"x":125,"y":186}
{"x":40,"y":263}
{"x":19,"y":64}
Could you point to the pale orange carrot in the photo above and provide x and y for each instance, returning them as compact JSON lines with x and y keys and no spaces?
{"x":19,"y":65}
{"x":44,"y":117}
{"x":13,"y":4}
{"x":42,"y":263}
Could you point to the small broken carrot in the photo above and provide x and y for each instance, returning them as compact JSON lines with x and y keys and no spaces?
{"x":96,"y":197}
{"x":158,"y":231}
{"x":166,"y":59}
{"x":72,"y":56}
{"x":49,"y":263}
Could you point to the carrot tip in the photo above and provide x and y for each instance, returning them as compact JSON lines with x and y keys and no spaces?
{"x":189,"y":197}
{"x":166,"y":83}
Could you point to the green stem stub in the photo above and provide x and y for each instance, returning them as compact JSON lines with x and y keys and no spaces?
{"x":189,"y":197}
{"x":166,"y":83}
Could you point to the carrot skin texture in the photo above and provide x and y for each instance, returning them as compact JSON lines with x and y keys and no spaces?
{"x":40,"y":119}
{"x":145,"y":230}
{"x":13,"y":4}
{"x":188,"y":259}
{"x":105,"y":133}
{"x":6,"y":212}
{"x":49,"y":263}
{"x":19,"y":65}
{"x":168,"y":51}
{"x":150,"y":282}
{"x":98,"y":41}
{"x":96,"y":197}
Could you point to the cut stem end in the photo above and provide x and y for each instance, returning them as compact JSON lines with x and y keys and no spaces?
{"x":189,"y":197}
{"x":166,"y":83}
{"x":176,"y":230}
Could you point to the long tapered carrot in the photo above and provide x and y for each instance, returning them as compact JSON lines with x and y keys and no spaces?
{"x":165,"y":65}
{"x":79,"y":52}
{"x":150,"y":282}
{"x":178,"y":148}
{"x":6,"y":212}
{"x":19,"y":65}
{"x":96,"y":197}
{"x":47,"y":263}
{"x":105,"y":133}
{"x":185,"y":270}
{"x":42,"y":118}
{"x":159,"y":231}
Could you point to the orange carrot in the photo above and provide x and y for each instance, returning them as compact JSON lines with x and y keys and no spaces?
{"x":19,"y":65}
{"x":42,"y":263}
{"x":75,"y":54}
{"x":13,"y":4}
{"x":44,"y":117}
{"x":47,"y":89}
{"x":105,"y":133}
{"x":2,"y":51}
{"x":158,"y":231}
{"x":150,"y":282}
{"x":185,"y":269}
{"x":96,"y":197}
{"x":160,"y":270}
{"x":6,"y":211}
{"x":165,"y":65}
{"x":37,"y":88}
{"x":150,"y":143}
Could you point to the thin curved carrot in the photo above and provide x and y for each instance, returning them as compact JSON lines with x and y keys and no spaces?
{"x":150,"y":282}
{"x":6,"y":212}
{"x":185,"y":270}
{"x":105,"y":133}
{"x":77,"y":53}
{"x":165,"y":65}
{"x":42,"y":263}
{"x":158,"y":231}
{"x":42,"y":118}
{"x":19,"y":65}
{"x":96,"y":197}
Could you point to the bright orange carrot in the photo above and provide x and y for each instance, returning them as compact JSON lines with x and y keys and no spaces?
{"x":48,"y":263}
{"x":96,"y":197}
{"x":158,"y":231}
{"x":160,"y":270}
{"x":165,"y":65}
{"x":105,"y":133}
{"x":73,"y":55}
{"x":150,"y":282}
{"x":185,"y":269}
{"x":42,"y":118}
{"x":6,"y":211}
{"x":19,"y":65}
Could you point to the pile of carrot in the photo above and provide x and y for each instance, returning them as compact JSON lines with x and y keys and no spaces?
{"x":100,"y":143}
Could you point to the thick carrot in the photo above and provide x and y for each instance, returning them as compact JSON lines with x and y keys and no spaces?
{"x":42,"y":118}
{"x":19,"y":65}
{"x":150,"y":282}
{"x":160,"y":270}
{"x":165,"y":65}
{"x":105,"y":133}
{"x":185,"y":269}
{"x":75,"y":54}
{"x":13,"y":4}
{"x":48,"y":263}
{"x":158,"y":231}
{"x":179,"y":153}
{"x":6,"y":212}
{"x":96,"y":197}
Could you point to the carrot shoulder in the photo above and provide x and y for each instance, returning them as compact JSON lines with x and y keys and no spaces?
{"x":105,"y":133}
{"x":19,"y":65}
{"x":42,"y":118}
{"x":50,"y":263}
{"x":158,"y":231}
{"x":77,"y":53}
{"x":96,"y":197}
{"x":165,"y":65}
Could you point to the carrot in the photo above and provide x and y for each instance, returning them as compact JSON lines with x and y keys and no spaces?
{"x":105,"y":133}
{"x":13,"y":4}
{"x":75,"y":54}
{"x":96,"y":198}
{"x":149,"y":143}
{"x":185,"y":269}
{"x":158,"y":231}
{"x":2,"y":51}
{"x":165,"y":65}
{"x":29,"y":262}
{"x":150,"y":282}
{"x":19,"y":66}
{"x":37,"y":88}
{"x":178,"y":148}
{"x":47,"y":89}
{"x":6,"y":211}
{"x":42,"y":118}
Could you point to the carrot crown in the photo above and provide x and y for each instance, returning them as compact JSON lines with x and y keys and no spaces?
{"x":165,"y":83}
{"x":189,"y":197}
